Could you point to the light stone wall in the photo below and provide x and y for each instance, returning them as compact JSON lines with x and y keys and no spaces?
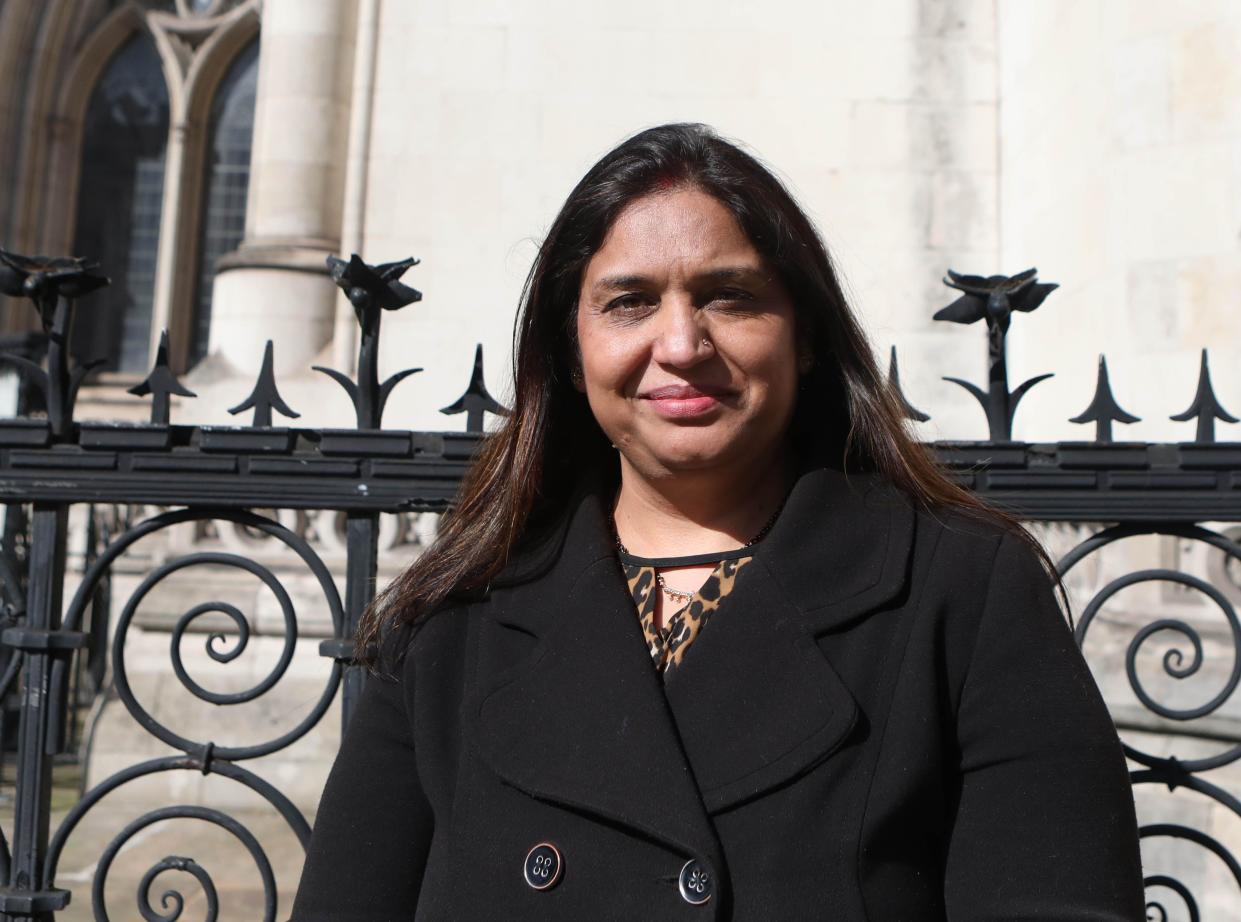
{"x":1120,"y":146}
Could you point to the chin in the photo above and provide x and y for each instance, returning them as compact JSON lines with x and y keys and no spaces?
{"x":693,"y":455}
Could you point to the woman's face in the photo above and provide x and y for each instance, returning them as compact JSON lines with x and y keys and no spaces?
{"x":689,"y":353}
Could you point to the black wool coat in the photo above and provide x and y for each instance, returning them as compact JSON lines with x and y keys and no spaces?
{"x":888,"y":719}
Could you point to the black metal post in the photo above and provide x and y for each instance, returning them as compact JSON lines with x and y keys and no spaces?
{"x":1000,"y":407}
{"x":25,"y":896}
{"x":362,"y":552}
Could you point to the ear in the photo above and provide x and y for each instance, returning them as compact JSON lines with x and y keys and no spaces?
{"x":805,"y":360}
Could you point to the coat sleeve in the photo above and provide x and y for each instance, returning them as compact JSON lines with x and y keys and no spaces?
{"x":1044,"y":826}
{"x":373,"y":827}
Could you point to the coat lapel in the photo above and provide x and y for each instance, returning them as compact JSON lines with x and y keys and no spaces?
{"x":756,"y":701}
{"x":841,"y":547}
{"x":586,"y":721}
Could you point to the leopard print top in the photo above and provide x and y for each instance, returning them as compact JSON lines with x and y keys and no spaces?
{"x":668,"y":646}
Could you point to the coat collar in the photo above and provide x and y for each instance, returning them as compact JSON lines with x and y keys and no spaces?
{"x":839,"y":547}
{"x":585,"y":720}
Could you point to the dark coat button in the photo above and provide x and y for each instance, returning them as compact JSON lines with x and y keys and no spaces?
{"x":696,"y":883}
{"x":543,"y":866}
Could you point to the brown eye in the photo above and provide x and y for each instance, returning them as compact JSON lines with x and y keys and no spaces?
{"x":626,"y":302}
{"x":731,"y":295}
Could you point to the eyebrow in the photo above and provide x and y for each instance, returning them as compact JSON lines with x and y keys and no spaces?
{"x":713,"y":276}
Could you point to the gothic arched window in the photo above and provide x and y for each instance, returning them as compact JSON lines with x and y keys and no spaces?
{"x":120,"y":194}
{"x":226,"y":182}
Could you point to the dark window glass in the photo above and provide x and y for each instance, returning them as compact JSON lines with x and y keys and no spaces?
{"x":226,"y":182}
{"x":120,"y":194}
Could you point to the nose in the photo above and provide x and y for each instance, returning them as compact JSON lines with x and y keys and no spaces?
{"x":680,"y":337}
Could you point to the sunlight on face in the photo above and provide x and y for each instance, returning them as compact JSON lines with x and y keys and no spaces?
{"x":688,"y":342}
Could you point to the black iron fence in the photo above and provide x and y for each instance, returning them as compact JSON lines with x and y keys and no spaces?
{"x":50,"y":464}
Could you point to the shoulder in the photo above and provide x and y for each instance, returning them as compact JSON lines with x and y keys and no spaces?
{"x":981,"y":600}
{"x":967,"y":563}
{"x":956,"y":547}
{"x":973,"y":539}
{"x":407,"y":651}
{"x":960,"y":536}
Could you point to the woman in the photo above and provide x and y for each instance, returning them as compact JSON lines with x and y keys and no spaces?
{"x":708,"y":635}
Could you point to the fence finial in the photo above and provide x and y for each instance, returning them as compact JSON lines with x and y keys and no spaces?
{"x":1103,"y":409}
{"x":371,"y":290}
{"x":52,"y":284}
{"x":1206,"y":406}
{"x":894,"y":382}
{"x":161,"y":384}
{"x":476,"y":400}
{"x":994,"y":298}
{"x":265,"y":397}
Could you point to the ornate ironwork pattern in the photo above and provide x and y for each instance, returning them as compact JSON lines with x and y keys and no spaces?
{"x":208,"y":476}
{"x":993,"y":299}
{"x":52,"y":284}
{"x":1171,"y":771}
{"x":371,"y":290}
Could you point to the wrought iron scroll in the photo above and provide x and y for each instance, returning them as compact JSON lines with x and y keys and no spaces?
{"x":204,"y":756}
{"x":1180,"y":665}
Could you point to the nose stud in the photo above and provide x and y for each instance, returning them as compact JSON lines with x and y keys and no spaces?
{"x":706,"y":342}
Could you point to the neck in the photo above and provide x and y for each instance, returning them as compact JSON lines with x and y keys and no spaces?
{"x":699,"y":512}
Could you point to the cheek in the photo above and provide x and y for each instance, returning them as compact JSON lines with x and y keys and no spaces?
{"x":773,"y":366}
{"x":609,"y":358}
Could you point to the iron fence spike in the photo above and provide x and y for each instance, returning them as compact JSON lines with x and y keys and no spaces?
{"x":476,"y":400}
{"x":265,"y":396}
{"x":160,"y":384}
{"x":1103,"y":409}
{"x":1205,"y":407}
{"x":894,"y":382}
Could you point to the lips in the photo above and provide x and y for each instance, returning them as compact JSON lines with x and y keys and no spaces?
{"x":681,"y":401}
{"x":683,"y":392}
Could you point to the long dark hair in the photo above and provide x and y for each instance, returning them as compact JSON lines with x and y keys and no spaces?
{"x":846,"y":414}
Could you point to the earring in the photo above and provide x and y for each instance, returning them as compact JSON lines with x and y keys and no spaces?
{"x":576,"y":375}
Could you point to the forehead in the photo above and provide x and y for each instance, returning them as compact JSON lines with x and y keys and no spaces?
{"x":667,"y":229}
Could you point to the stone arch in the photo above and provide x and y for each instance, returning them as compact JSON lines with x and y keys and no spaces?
{"x":65,"y":143}
{"x":36,"y":50}
{"x":231,"y":34}
{"x":195,"y":52}
{"x":19,"y":30}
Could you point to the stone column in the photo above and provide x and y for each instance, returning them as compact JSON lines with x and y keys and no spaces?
{"x":275,"y":285}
